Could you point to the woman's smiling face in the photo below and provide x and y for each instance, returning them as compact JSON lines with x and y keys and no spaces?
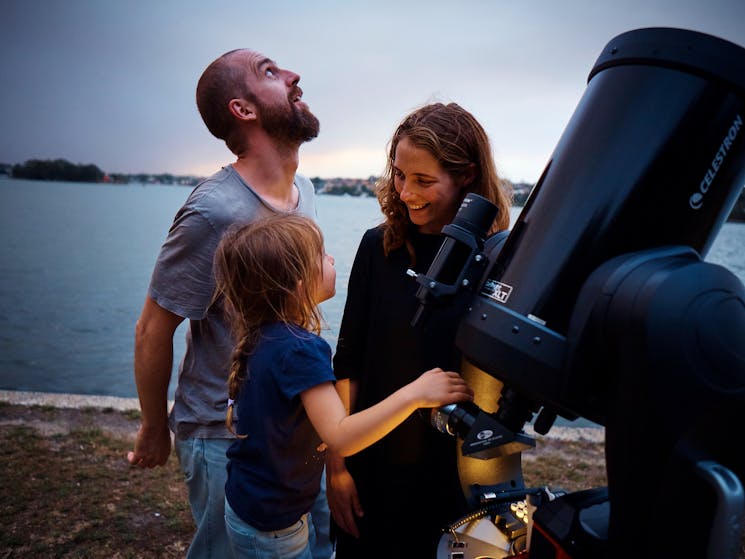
{"x":431,"y":195}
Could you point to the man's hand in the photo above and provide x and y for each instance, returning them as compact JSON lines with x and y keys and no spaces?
{"x":153,"y":363}
{"x":152,"y":448}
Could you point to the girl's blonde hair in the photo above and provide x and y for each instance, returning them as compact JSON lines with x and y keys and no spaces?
{"x":267,"y":271}
{"x":459,"y":143}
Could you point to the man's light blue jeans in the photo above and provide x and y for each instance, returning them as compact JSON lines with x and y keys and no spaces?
{"x":203,"y":462}
{"x":204,"y":465}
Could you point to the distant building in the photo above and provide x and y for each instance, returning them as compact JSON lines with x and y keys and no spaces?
{"x":345,"y":186}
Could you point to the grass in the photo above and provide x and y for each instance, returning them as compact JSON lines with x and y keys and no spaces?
{"x":73,"y":494}
{"x":68,"y":491}
{"x":568,"y":465}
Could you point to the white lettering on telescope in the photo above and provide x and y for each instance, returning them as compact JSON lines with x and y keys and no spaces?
{"x":697,"y":198}
{"x":497,"y":290}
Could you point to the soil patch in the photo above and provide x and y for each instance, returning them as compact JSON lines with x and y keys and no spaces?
{"x":68,"y":491}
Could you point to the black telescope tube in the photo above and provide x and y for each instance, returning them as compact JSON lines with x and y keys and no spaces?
{"x":654,"y":155}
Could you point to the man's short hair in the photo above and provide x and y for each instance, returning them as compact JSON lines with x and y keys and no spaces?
{"x":224,"y":79}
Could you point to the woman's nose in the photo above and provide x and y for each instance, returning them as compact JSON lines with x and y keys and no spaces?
{"x":405,"y":190}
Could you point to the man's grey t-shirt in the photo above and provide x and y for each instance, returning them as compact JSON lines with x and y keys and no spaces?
{"x":183,"y":283}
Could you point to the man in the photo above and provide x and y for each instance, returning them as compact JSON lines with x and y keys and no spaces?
{"x":256,"y":107}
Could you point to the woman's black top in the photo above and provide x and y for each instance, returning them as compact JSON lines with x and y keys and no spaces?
{"x":409,"y":478}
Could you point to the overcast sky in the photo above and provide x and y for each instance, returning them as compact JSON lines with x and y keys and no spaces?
{"x":112,"y":82}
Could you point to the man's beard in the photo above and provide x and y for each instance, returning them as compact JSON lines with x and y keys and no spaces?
{"x":290,"y":127}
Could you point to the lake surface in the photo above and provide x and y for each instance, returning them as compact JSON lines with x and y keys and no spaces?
{"x":76,"y":263}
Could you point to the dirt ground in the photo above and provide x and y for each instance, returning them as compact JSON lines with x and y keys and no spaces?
{"x":68,"y":491}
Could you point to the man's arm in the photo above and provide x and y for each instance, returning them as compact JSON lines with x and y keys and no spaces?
{"x":153,"y":363}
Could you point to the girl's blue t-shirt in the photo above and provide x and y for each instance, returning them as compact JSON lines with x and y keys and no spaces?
{"x":274,"y":474}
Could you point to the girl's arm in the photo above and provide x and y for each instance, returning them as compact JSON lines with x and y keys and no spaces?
{"x":348,"y":434}
{"x":347,"y":390}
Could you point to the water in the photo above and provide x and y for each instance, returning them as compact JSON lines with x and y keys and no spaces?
{"x":76,"y":263}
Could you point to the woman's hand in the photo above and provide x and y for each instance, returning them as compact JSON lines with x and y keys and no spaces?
{"x":341,"y":493}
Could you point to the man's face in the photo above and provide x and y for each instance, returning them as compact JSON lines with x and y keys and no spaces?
{"x":281,"y":111}
{"x":293,"y":125}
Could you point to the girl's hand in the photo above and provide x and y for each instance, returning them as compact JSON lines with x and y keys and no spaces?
{"x":438,"y":388}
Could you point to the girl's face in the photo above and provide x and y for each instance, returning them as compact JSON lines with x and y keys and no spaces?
{"x":431,"y":195}
{"x":327,"y":281}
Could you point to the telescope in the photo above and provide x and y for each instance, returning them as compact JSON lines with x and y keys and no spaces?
{"x":597,"y":304}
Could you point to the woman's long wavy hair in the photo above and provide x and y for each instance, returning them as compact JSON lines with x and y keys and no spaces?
{"x":267,"y":271}
{"x":459,"y":143}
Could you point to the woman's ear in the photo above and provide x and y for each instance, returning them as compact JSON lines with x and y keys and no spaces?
{"x":242,"y":109}
{"x":469,"y":175}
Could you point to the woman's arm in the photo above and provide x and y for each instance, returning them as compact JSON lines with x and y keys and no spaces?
{"x":341,"y":491}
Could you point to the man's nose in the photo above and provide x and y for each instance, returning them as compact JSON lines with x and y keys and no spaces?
{"x":291,"y":77}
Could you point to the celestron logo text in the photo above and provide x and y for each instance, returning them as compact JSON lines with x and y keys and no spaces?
{"x":697,"y":198}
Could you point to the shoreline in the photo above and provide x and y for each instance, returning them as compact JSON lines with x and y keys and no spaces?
{"x":81,"y":401}
{"x":74,"y":401}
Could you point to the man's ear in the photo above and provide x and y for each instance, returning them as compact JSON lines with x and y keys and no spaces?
{"x":242,"y":109}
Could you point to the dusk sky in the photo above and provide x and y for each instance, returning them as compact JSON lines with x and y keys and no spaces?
{"x":112,"y":82}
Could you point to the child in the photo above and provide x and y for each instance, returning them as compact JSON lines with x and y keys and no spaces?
{"x":272,"y":274}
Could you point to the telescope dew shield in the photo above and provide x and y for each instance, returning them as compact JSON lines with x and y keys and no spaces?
{"x":654,"y":155}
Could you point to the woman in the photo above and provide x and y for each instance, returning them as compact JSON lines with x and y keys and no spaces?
{"x":392,"y":499}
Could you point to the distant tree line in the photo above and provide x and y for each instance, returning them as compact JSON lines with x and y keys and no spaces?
{"x":57,"y":170}
{"x":520,"y":192}
{"x":342,"y":186}
{"x":63,"y":170}
{"x":159,"y":178}
{"x":366,"y":187}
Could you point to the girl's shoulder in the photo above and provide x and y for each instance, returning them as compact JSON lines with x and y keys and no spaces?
{"x":291,"y":336}
{"x":301,"y":348}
